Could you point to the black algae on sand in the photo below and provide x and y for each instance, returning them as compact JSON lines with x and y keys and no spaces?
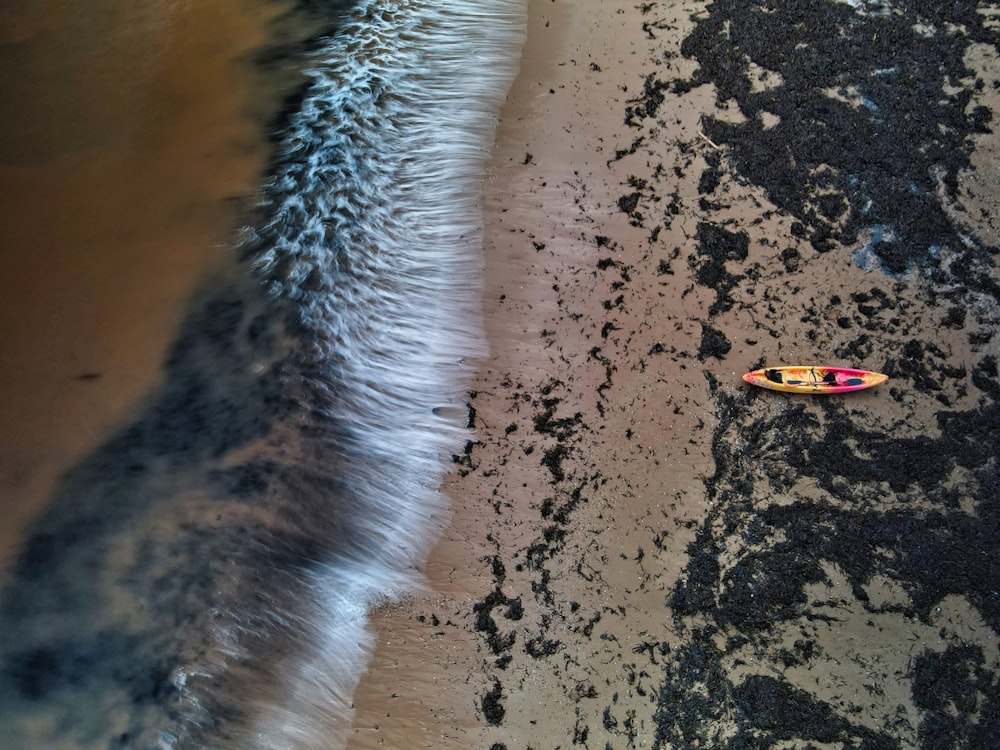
{"x":875,"y":518}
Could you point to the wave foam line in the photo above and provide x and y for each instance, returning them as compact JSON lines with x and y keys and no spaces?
{"x":373,"y":246}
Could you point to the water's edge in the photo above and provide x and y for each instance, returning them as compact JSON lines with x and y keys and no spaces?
{"x":202,"y":579}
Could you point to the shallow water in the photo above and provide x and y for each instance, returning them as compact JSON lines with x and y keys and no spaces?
{"x":139,"y":131}
{"x":201,"y":577}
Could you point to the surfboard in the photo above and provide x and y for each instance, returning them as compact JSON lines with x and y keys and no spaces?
{"x":814,"y":379}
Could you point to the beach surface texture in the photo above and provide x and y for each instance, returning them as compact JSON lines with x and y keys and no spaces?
{"x":372,"y":375}
{"x":646,"y":552}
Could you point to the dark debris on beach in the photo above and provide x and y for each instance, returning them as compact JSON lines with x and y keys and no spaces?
{"x":858,"y":126}
{"x":828,"y":520}
{"x":556,"y":436}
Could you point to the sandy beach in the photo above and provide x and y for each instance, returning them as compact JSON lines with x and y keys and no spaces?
{"x":542,"y":492}
{"x":644,"y":552}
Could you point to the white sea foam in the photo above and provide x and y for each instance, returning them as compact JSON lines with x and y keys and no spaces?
{"x":375,"y":239}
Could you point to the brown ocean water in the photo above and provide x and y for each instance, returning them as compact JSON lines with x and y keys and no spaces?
{"x":133,"y":136}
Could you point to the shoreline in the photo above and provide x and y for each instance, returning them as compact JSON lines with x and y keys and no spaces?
{"x":478,"y":637}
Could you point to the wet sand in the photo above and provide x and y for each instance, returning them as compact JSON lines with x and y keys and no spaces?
{"x":582,"y":452}
{"x":643,"y":551}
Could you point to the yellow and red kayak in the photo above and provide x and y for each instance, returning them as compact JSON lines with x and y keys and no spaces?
{"x":814,"y":379}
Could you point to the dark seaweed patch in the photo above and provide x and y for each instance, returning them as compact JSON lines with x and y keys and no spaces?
{"x":553,"y":459}
{"x":493,"y":709}
{"x":486,"y":625}
{"x":984,"y":377}
{"x":539,"y":647}
{"x":773,"y":710}
{"x":716,"y":246}
{"x":709,"y":180}
{"x":791,"y":258}
{"x":874,"y":155}
{"x":713,"y":343}
{"x":950,"y":687}
{"x":691,"y":696}
{"x":775,"y":578}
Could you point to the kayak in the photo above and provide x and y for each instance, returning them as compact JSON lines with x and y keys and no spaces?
{"x":814,"y":379}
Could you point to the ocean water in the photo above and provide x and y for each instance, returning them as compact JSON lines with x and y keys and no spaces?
{"x":201,"y":579}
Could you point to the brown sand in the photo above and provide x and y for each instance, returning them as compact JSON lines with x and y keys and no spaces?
{"x":120,"y":180}
{"x":544,"y":623}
